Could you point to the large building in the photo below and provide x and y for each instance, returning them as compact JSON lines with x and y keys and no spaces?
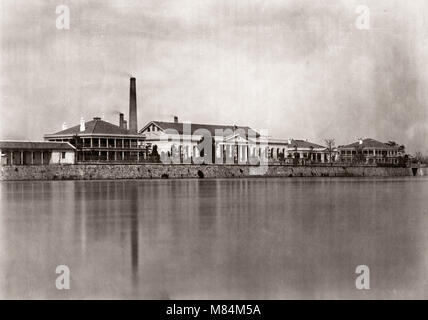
{"x":230,"y":144}
{"x":293,"y":151}
{"x":100,"y":141}
{"x":182,"y":141}
{"x":36,"y":153}
{"x":370,"y":151}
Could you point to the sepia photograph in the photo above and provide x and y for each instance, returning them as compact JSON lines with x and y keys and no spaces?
{"x":204,"y":150}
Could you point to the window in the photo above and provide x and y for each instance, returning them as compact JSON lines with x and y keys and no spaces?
{"x":148,"y":129}
{"x":63,"y":155}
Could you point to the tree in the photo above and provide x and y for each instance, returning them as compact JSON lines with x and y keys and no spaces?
{"x":359,"y":155}
{"x":419,"y":157}
{"x":311,"y":151}
{"x":392,"y":143}
{"x":296,"y":156}
{"x":330,"y":147}
{"x":154,"y":156}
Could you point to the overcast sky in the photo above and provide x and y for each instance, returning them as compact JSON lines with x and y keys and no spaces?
{"x":300,"y":69}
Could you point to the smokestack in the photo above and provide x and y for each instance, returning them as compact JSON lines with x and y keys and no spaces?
{"x":133,"y":107}
{"x":175,"y":119}
{"x":121,"y":120}
{"x":125,"y":124}
{"x":82,"y":124}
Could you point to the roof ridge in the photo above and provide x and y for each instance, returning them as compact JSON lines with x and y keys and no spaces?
{"x":33,"y":141}
{"x":201,"y":124}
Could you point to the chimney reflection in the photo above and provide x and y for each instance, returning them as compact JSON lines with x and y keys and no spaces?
{"x":107,"y":211}
{"x":134,"y":231}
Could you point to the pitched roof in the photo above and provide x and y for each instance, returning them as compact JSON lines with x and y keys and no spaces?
{"x":95,"y":126}
{"x":226,"y":129}
{"x":303,"y":144}
{"x":369,"y":143}
{"x":35,"y":145}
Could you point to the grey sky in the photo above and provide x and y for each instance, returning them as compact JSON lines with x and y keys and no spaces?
{"x":298,"y":68}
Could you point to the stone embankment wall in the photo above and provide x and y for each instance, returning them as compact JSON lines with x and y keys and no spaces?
{"x":153,"y":171}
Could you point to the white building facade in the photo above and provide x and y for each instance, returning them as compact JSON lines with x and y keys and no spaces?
{"x":228,"y":145}
{"x":197,"y":143}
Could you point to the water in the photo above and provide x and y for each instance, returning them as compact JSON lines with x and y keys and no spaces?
{"x":225,"y":239}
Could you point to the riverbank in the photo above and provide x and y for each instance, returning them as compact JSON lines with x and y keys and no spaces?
{"x":158,"y":171}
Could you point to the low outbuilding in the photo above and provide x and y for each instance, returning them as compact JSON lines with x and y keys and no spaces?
{"x":36,"y":153}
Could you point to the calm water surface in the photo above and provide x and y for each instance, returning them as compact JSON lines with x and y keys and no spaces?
{"x":203,"y":239}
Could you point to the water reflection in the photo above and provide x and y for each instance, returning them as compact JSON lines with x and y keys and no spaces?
{"x":244,"y":238}
{"x":133,"y":203}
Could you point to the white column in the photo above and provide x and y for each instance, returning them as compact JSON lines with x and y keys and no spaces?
{"x":217,"y":151}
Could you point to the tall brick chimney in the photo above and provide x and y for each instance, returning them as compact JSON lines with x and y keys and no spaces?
{"x":121,"y":119}
{"x":133,"y":128}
